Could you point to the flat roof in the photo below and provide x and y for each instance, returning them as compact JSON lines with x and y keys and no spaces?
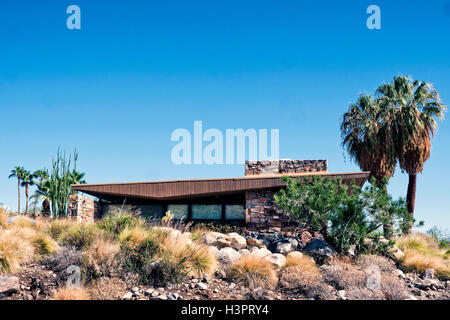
{"x":181,"y":189}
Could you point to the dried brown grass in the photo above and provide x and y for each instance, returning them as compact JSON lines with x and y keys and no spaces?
{"x":71,"y":294}
{"x":253,"y":272}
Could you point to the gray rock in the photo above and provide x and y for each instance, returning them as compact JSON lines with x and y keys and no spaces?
{"x":227,"y":256}
{"x":428,"y":274}
{"x":201,"y":286}
{"x":319,"y":249}
{"x":237,"y":241}
{"x":276,"y":259}
{"x":9,"y":284}
{"x":128,"y":296}
{"x":148,"y":292}
{"x":162,"y":297}
{"x":173,"y":296}
{"x":261,"y":252}
{"x":14,"y":218}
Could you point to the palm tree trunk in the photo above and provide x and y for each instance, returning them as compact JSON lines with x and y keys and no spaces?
{"x":411,"y":197}
{"x":18,"y":192}
{"x":35,"y":205}
{"x":26,"y":194}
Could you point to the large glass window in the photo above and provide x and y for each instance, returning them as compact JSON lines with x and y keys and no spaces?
{"x":207,"y":211}
{"x":234,"y":212}
{"x":179,"y":211}
{"x":146,"y":210}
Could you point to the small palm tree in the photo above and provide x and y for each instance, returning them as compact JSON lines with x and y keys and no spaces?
{"x":39,"y":194}
{"x":410,"y":109}
{"x":27,"y":181}
{"x":17,"y":172}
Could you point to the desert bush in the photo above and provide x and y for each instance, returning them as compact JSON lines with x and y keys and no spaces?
{"x":140,"y":259}
{"x":71,"y":294}
{"x":44,"y":243}
{"x":368,"y":260}
{"x":422,"y":252}
{"x":393,"y":288}
{"x":343,"y":276}
{"x":221,"y":227}
{"x":61,"y":260}
{"x":22,"y":222}
{"x":302,"y":275}
{"x":14,"y":251}
{"x":344,"y":218}
{"x":107,"y":289}
{"x":100,"y":259}
{"x":253,"y":272}
{"x":364,"y":293}
{"x":442,"y":236}
{"x":196,"y":258}
{"x":133,"y":236}
{"x":72,"y":233}
{"x":117,"y":220}
{"x":3,"y":218}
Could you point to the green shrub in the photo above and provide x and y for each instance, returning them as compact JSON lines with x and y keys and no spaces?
{"x":140,"y":259}
{"x":116,"y":221}
{"x":441,"y":236}
{"x":345,"y":217}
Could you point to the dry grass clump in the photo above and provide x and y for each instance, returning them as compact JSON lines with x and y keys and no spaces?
{"x":74,"y":234}
{"x":343,"y":275}
{"x":302,"y":275}
{"x":14,"y":251}
{"x":133,"y":236}
{"x":22,"y":221}
{"x":44,"y":244}
{"x":71,"y":294}
{"x":197,"y":258}
{"x":253,"y":272}
{"x":393,"y":288}
{"x":107,"y":289}
{"x":368,"y":260}
{"x":422,"y":252}
{"x":3,"y":218}
{"x":100,"y":259}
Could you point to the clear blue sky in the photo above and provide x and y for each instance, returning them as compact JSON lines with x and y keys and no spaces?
{"x":137,"y":70}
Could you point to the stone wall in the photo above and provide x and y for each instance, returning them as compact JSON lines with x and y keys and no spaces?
{"x":83,"y":209}
{"x":284,"y":166}
{"x":262,"y":214}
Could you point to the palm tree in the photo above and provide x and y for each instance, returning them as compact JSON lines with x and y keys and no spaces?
{"x":410,"y":109}
{"x":364,"y":136}
{"x":17,"y":172}
{"x":39,"y":194}
{"x":27,"y":181}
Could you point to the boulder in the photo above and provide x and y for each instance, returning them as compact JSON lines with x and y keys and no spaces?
{"x":223,"y":242}
{"x":227,"y":256}
{"x":209,"y":239}
{"x":244,"y":252}
{"x":397,"y":253}
{"x":428,"y":274}
{"x":276,"y":259}
{"x":295,"y":255}
{"x":253,"y":242}
{"x":128,"y":296}
{"x":260,"y":252}
{"x":284,"y":246}
{"x":305,"y":238}
{"x":213,"y":250}
{"x":9,"y":284}
{"x":319,"y":249}
{"x":237,"y":241}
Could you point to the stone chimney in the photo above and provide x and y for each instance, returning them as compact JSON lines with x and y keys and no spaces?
{"x":284,"y":166}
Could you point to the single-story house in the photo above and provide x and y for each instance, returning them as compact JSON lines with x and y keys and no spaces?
{"x":243,"y":200}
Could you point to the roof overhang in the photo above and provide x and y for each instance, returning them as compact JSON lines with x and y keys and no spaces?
{"x":181,"y":189}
